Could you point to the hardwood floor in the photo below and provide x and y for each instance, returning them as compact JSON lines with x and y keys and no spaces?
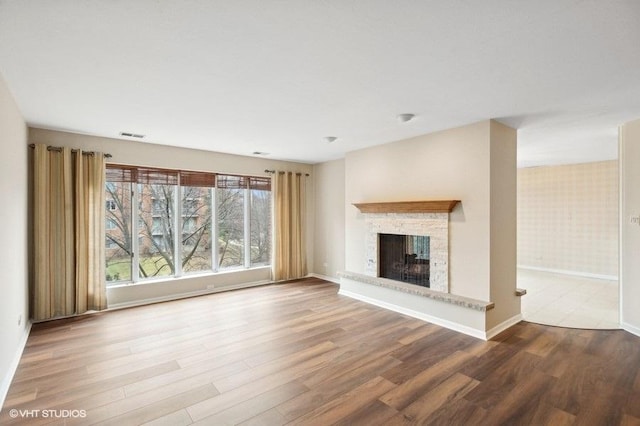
{"x":299,"y":354}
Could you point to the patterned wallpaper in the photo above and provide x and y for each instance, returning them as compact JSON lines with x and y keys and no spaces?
{"x":568,"y":217}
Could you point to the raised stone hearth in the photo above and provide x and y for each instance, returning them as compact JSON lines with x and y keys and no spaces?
{"x":461,"y":301}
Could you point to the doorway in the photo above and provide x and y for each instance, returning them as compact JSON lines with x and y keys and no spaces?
{"x":568,"y":244}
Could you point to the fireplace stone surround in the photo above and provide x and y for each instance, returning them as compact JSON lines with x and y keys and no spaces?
{"x":433,"y":225}
{"x":436,"y":304}
{"x":424,"y":218}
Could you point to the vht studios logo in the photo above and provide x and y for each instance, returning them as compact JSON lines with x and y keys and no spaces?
{"x":50,"y":414}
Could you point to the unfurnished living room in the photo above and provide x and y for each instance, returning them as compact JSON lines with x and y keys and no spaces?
{"x":320,"y":212}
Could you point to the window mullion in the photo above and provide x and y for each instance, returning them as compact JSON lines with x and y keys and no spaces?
{"x":247,"y":228}
{"x":177,"y":223}
{"x":215,"y":250}
{"x":135,"y":232}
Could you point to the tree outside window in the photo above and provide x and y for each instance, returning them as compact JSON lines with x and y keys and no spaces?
{"x":196,"y":229}
{"x":118,"y":253}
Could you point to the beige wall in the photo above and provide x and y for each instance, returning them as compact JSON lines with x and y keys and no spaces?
{"x":137,"y":153}
{"x":146,"y":154}
{"x":465,"y":163}
{"x":453,"y":164}
{"x":503,"y":206}
{"x":329,"y":218}
{"x":13,"y":250}
{"x":630,"y":231}
{"x":568,"y":218}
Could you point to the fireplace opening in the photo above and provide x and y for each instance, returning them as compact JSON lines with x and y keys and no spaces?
{"x":404,"y":258}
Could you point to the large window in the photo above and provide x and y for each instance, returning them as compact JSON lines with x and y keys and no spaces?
{"x":177,"y":214}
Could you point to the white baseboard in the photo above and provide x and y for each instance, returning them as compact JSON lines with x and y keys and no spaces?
{"x":168,"y":298}
{"x":503,"y":326}
{"x":6,"y":380}
{"x":567,"y":272}
{"x":324,"y":277}
{"x":479,"y":334}
{"x":630,"y":328}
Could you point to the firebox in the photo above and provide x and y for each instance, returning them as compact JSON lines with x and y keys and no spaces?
{"x":404,"y":258}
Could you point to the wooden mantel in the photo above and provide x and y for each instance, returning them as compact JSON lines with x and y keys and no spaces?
{"x":436,"y":206}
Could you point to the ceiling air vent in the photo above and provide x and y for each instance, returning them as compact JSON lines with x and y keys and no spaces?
{"x":132,"y":135}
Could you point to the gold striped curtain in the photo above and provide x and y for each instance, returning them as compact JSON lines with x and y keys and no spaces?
{"x":290,"y":259}
{"x":68,"y":232}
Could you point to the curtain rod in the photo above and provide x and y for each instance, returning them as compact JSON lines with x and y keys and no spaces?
{"x":273,"y":172}
{"x":59,"y":148}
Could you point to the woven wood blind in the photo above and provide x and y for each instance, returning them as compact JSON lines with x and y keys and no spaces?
{"x":117,"y":173}
{"x":242,"y":182}
{"x":148,"y":175}
{"x":232,"y":182}
{"x":260,"y":183}
{"x":200,"y":179}
{"x":151,"y":176}
{"x":156,"y":176}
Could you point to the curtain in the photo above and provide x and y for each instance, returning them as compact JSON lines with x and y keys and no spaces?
{"x":68,"y":232}
{"x":289,"y":212}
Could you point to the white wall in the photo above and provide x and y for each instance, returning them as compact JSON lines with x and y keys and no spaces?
{"x":329,"y":218}
{"x":475,"y":164}
{"x":137,"y":153}
{"x":13,"y":250}
{"x":630,"y":232}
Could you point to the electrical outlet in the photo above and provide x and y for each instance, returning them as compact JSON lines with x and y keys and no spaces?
{"x":635,"y":220}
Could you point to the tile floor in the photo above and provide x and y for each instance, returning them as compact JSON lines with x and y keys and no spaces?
{"x":569,"y":301}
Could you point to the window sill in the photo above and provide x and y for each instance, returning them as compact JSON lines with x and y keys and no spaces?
{"x":166,"y":289}
{"x":173,"y":279}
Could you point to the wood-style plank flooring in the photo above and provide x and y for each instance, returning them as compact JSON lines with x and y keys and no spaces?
{"x":300,"y":354}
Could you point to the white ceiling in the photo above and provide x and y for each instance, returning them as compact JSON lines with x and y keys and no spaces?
{"x":278,"y":76}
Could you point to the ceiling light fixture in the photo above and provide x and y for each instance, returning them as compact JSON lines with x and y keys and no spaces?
{"x":330,"y":139}
{"x":132,"y":135}
{"x":403,"y":118}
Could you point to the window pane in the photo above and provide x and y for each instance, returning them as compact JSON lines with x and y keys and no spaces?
{"x":156,"y":230}
{"x":260,"y":227}
{"x":118,"y":232}
{"x":196,"y":229}
{"x":230,"y":205}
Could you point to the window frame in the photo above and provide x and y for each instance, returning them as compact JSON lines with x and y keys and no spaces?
{"x":213,"y":181}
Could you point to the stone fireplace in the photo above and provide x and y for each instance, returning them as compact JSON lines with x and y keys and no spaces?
{"x":412,"y":226}
{"x":434,"y":226}
{"x":425,"y":224}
